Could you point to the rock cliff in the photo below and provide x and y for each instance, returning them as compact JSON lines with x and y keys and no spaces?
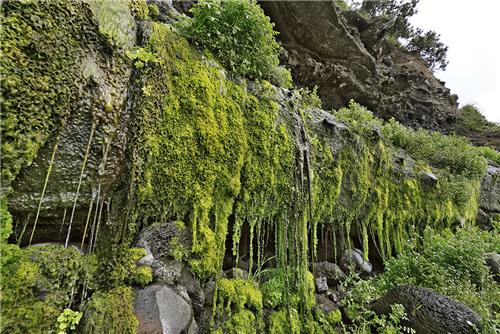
{"x":113,"y":125}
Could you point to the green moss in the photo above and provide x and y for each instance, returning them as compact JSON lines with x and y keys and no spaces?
{"x":285,"y":321}
{"x":5,"y":220}
{"x":238,"y":306}
{"x":178,"y":250}
{"x":141,"y":9}
{"x":119,"y":267}
{"x":38,"y":76}
{"x":115,"y":19}
{"x":111,"y":312}
{"x":218,"y":135}
{"x":205,"y":148}
{"x":360,"y":186}
{"x":37,"y":284}
{"x":240,"y":322}
{"x":154,"y":11}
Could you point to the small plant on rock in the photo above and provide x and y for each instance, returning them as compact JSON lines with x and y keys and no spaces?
{"x":238,"y":32}
{"x":67,"y":321}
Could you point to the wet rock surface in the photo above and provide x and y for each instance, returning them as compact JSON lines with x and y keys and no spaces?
{"x":92,"y":137}
{"x":429,"y":312}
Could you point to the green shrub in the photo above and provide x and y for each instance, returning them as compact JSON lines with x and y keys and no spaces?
{"x":490,"y":154}
{"x":451,"y":264}
{"x":111,"y":312}
{"x":452,"y":153}
{"x":67,"y":321}
{"x":471,"y":118}
{"x":238,"y":32}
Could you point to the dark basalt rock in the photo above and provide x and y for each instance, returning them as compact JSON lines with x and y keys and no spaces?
{"x":329,"y":271}
{"x":347,"y":57}
{"x":352,"y":261}
{"x":493,"y":262}
{"x":161,"y":309}
{"x":489,"y":198}
{"x":156,"y":240}
{"x":429,"y":312}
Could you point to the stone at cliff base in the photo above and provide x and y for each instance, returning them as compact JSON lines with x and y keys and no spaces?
{"x":332,"y":272}
{"x":352,"y":260}
{"x":157,"y":241}
{"x":429,"y":312}
{"x":161,"y":310}
{"x":493,"y":262}
{"x":325,"y":304}
{"x":321,"y":285}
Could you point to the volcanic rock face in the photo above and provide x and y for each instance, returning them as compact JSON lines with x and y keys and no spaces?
{"x":489,"y":199}
{"x":346,"y":56}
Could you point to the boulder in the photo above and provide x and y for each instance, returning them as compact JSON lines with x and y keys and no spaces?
{"x":325,"y":304}
{"x":159,"y":241}
{"x":428,"y":312}
{"x":489,"y":198}
{"x":352,"y":261}
{"x":330,"y":271}
{"x":193,"y":289}
{"x":321,"y":285}
{"x":493,"y":262}
{"x":237,"y":273}
{"x":161,"y":310}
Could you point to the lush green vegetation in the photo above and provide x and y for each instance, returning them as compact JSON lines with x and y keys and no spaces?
{"x":451,"y":263}
{"x":240,"y":35}
{"x":204,"y":148}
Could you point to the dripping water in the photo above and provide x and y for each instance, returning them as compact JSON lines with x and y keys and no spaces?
{"x":89,"y":213}
{"x":62,"y":223}
{"x":49,"y":170}
{"x":24,"y":229}
{"x":84,"y":164}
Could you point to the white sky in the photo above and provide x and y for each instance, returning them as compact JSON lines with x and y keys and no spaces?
{"x":470,"y":29}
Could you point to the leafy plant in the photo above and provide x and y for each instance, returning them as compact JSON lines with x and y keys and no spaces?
{"x":67,"y":321}
{"x":238,"y":32}
{"x":141,"y":57}
{"x":452,"y":264}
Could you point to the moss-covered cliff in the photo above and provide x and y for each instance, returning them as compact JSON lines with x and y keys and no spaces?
{"x":103,"y":136}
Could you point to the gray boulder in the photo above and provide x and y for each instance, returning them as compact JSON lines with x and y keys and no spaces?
{"x":493,"y":262}
{"x":158,"y":241}
{"x":352,"y":261}
{"x":325,"y":304}
{"x":161,"y":310}
{"x":321,"y":285}
{"x":429,"y":312}
{"x":489,"y":198}
{"x":330,"y":271}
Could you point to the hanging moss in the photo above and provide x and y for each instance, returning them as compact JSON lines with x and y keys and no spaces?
{"x":110,"y":312}
{"x":206,"y":148}
{"x":199,"y":137}
{"x":239,"y":306}
{"x":361,"y":185}
{"x":38,"y":79}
